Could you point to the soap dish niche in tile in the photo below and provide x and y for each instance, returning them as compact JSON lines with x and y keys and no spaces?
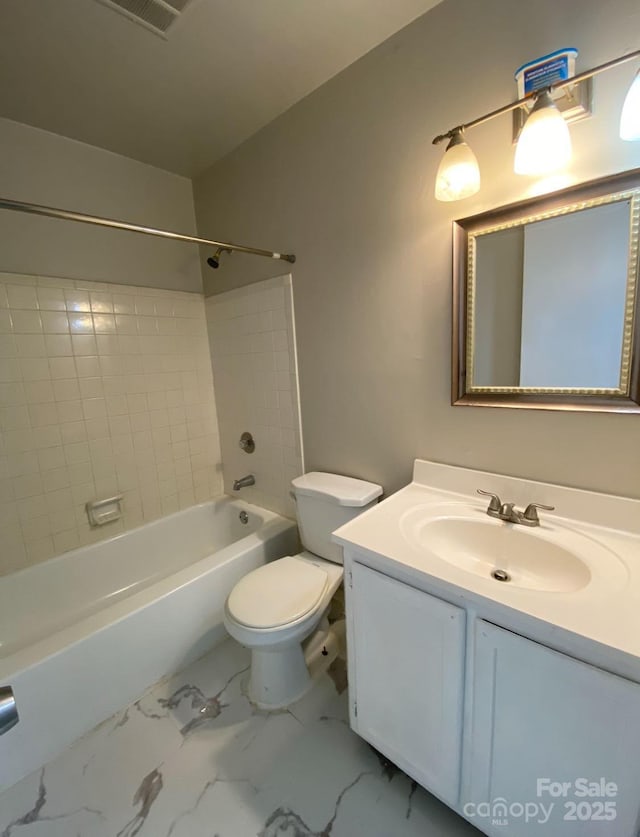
{"x":104,"y":511}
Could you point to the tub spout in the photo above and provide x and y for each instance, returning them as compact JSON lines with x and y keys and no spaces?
{"x":244,"y":482}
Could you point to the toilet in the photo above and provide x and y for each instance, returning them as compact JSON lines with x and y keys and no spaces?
{"x":279,"y":610}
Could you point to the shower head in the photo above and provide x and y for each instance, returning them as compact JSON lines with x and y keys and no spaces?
{"x":214,"y":261}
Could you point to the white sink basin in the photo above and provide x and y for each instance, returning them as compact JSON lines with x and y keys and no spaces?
{"x":546,"y":558}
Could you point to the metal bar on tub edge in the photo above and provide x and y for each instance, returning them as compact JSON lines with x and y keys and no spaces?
{"x":8,"y":709}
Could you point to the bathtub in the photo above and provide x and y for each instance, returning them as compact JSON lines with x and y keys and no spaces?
{"x":84,"y":634}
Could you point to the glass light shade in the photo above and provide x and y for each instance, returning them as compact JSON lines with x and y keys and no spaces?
{"x":544,"y":145}
{"x":458,"y":173}
{"x":630,"y":118}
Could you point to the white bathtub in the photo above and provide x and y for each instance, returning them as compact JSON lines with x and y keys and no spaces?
{"x":84,"y":634}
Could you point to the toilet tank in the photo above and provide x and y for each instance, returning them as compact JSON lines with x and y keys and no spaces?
{"x":324,"y":502}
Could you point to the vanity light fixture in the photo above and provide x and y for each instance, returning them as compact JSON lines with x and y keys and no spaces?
{"x":458,"y":174}
{"x":544,"y":144}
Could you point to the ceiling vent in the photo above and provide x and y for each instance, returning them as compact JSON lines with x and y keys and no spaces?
{"x":155,"y":15}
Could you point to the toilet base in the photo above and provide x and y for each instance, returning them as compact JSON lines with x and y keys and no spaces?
{"x":281,"y":676}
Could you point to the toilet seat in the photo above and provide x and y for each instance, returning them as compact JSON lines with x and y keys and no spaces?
{"x":278,"y":593}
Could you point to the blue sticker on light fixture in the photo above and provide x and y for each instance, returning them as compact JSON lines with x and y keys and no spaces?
{"x":543,"y":72}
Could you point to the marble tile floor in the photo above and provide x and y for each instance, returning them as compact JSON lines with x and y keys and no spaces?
{"x":193,"y":758}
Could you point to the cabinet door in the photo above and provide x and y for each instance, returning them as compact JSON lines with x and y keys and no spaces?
{"x":406,"y":658}
{"x":540,"y":717}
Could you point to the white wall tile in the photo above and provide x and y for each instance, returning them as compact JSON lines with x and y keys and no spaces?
{"x":103,"y":389}
{"x":26,"y":322}
{"x":63,"y":367}
{"x":21,"y":296}
{"x":252,"y":343}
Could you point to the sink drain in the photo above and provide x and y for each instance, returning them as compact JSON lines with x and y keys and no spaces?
{"x":501,"y":575}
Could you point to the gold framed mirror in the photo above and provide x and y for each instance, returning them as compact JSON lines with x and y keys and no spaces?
{"x":544,"y":301}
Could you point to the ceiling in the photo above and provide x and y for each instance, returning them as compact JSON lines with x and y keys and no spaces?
{"x":228,"y":67}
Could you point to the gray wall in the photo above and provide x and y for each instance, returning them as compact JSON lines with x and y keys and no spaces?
{"x":40,"y":167}
{"x":345,"y":180}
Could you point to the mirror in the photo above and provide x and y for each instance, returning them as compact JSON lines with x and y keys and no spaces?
{"x":544,"y":301}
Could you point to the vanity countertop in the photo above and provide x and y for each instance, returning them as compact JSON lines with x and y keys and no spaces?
{"x":599,"y":621}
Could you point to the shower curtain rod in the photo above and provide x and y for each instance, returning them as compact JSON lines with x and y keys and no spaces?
{"x":66,"y":215}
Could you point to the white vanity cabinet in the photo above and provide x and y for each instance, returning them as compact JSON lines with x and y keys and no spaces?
{"x":480,"y":715}
{"x":540,"y":715}
{"x":406,"y":663}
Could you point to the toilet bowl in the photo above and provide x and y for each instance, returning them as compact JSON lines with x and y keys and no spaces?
{"x":279,"y":610}
{"x":272,"y":610}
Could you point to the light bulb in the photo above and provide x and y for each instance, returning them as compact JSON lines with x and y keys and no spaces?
{"x":630,"y":117}
{"x":458,"y":173}
{"x":544,"y":145}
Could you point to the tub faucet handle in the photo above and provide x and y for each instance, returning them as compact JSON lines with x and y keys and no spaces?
{"x":246,"y":442}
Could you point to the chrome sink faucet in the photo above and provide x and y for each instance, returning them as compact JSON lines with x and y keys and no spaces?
{"x":509,"y":513}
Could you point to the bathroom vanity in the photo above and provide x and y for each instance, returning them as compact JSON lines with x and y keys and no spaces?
{"x":516,"y":702}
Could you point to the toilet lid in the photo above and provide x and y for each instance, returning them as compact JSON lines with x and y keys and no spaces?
{"x":277,"y":593}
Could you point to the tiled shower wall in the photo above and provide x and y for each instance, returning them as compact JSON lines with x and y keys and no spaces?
{"x":104,"y":389}
{"x":253,"y":354}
